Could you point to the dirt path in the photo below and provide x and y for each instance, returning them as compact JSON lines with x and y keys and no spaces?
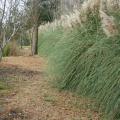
{"x":34,"y":98}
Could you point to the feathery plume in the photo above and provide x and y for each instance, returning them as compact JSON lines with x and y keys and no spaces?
{"x":108,"y":24}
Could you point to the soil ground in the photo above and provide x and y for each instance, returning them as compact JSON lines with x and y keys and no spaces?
{"x":29,"y":94}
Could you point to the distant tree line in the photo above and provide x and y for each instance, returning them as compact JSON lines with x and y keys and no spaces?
{"x":18,"y":16}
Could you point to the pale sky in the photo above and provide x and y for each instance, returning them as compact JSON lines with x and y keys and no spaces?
{"x":9,"y":3}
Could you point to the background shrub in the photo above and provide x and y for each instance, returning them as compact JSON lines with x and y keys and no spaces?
{"x":11,"y":49}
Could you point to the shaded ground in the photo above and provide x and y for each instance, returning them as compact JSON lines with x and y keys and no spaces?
{"x":33,"y":98}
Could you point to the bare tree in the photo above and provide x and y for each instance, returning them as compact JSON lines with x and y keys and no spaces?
{"x":9,"y":21}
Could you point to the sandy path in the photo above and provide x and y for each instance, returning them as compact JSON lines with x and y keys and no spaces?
{"x":35,"y":98}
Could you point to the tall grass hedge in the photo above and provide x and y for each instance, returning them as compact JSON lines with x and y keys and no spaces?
{"x":85,"y":61}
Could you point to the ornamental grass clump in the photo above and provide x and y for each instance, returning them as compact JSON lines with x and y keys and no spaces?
{"x":86,"y":58}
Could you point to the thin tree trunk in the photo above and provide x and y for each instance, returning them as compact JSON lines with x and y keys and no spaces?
{"x":35,"y":40}
{"x":1,"y":53}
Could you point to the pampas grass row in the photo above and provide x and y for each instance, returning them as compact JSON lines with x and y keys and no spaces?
{"x":86,"y":58}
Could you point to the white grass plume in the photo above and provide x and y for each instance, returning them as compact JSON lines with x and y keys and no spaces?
{"x":108,"y":24}
{"x":80,"y":16}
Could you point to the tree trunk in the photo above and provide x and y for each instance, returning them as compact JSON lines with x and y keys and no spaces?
{"x":35,"y":40}
{"x":1,"y":53}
